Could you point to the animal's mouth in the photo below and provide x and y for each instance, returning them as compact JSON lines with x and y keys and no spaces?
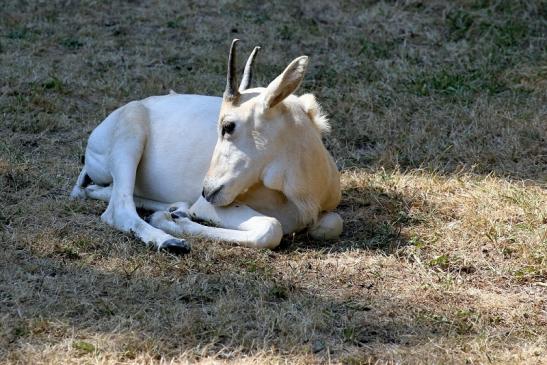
{"x":211,"y":195}
{"x":219,"y":199}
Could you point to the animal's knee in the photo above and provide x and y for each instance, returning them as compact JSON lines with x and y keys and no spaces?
{"x":328,"y":227}
{"x":269,"y":234}
{"x":122,"y":215}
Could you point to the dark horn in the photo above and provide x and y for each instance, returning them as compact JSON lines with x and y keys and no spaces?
{"x":248,"y":72}
{"x":231,"y":78}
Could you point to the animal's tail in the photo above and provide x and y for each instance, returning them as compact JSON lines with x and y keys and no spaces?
{"x":82,"y":182}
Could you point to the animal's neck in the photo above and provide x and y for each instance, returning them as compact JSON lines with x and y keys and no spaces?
{"x":306,"y":175}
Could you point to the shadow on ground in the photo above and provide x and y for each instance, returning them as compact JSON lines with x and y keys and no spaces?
{"x":220,"y":303}
{"x":373,"y":220}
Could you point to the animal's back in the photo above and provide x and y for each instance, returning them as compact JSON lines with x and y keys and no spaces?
{"x":180,"y":141}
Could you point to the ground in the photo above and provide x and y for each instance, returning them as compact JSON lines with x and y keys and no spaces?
{"x":439,"y":130}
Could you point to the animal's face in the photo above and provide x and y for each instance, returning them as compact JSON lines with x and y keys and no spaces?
{"x":251,"y":126}
{"x":247,"y":142}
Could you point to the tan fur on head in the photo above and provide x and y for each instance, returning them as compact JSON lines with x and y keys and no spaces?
{"x":314,"y":111}
{"x":272,"y":144}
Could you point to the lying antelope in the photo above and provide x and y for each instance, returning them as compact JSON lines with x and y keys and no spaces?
{"x":252,"y":162}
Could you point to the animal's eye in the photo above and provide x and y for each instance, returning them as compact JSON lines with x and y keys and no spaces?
{"x":228,"y":128}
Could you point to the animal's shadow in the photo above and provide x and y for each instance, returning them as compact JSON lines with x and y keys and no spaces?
{"x":374,"y":219}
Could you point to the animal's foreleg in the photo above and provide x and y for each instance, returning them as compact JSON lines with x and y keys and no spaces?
{"x":237,"y":223}
{"x":104,"y":193}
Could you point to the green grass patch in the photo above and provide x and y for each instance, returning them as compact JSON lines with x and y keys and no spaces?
{"x":376,"y":50}
{"x":84,"y":347}
{"x":451,"y":82}
{"x":72,"y":43}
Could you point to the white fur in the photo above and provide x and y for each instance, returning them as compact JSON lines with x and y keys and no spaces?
{"x":273,"y":172}
{"x":313,"y":109}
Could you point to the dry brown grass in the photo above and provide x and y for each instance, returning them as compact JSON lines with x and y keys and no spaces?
{"x":439,"y":116}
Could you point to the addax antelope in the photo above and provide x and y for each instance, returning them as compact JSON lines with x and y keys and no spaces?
{"x":252,"y":162}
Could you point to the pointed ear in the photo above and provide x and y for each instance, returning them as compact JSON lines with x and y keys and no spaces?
{"x":286,"y":83}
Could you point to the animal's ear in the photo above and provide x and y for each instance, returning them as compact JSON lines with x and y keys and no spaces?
{"x":286,"y":83}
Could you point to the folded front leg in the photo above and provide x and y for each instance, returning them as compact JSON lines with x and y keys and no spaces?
{"x":235,"y":223}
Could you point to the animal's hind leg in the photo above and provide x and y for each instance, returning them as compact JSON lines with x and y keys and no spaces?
{"x":104,"y":193}
{"x":78,"y":189}
{"x":124,"y":159}
{"x":97,"y":192}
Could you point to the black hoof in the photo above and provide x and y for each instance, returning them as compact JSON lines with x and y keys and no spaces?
{"x":177,"y":215}
{"x":176,"y":247}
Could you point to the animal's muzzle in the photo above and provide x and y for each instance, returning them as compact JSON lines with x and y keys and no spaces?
{"x":209,"y":194}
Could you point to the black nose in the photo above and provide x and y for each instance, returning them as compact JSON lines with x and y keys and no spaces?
{"x":210,"y":195}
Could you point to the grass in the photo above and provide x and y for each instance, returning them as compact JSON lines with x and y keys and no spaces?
{"x":439,"y":129}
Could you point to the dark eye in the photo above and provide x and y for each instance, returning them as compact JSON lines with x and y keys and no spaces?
{"x":228,"y":128}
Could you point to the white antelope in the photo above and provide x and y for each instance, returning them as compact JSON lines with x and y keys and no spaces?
{"x":253,"y":163}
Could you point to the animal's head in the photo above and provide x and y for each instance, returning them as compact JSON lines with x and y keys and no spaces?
{"x":261,"y":133}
